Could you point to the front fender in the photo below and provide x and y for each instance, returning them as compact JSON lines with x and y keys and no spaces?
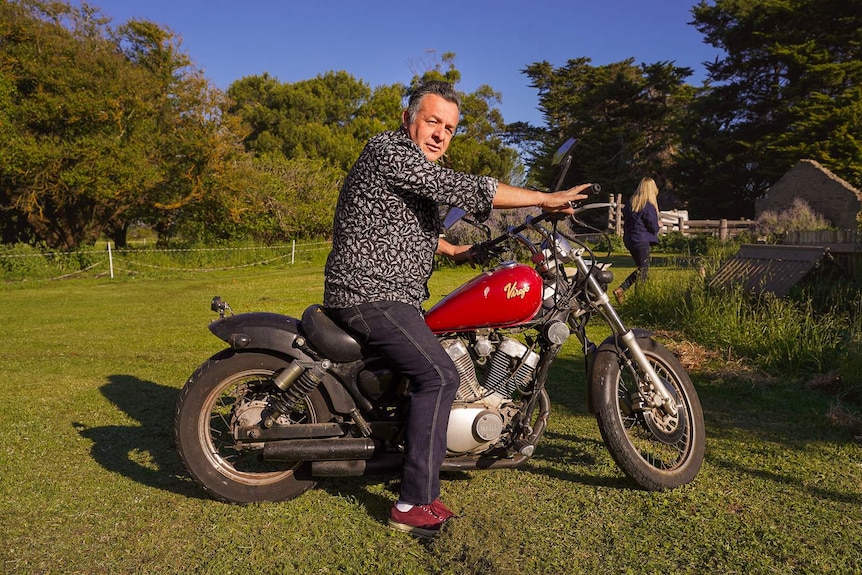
{"x":260,"y":330}
{"x":611,"y":340}
{"x":609,"y":344}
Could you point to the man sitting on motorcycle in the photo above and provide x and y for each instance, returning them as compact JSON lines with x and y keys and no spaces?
{"x":386,"y":232}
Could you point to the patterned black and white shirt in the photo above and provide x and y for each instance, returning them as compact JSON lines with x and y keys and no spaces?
{"x":387,"y":222}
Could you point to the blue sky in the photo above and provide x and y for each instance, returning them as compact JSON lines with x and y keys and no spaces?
{"x":385,"y":42}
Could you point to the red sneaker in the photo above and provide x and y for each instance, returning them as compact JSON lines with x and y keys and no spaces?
{"x":440,"y":509}
{"x":421,"y":520}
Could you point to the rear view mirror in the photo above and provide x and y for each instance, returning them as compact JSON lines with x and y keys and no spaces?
{"x":563,"y":160}
{"x":453,"y":216}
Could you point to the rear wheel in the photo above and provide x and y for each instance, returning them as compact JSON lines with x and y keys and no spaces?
{"x":233,"y":389}
{"x":657,"y":450}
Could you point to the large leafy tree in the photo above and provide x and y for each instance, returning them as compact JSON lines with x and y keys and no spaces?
{"x":332,"y":116}
{"x":787,"y":88}
{"x":71,"y":141}
{"x":622,"y":115}
{"x":327,"y":117}
{"x":195,"y":147}
{"x":101,"y":126}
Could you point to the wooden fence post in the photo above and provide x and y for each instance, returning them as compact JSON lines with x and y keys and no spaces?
{"x":618,"y":217}
{"x":722,"y":230}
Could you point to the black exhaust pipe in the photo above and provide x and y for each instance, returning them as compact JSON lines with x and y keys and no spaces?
{"x":340,"y":449}
{"x":392,"y":462}
{"x":384,"y":463}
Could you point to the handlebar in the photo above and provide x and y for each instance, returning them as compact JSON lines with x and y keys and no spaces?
{"x":545,"y":216}
{"x":484,"y":251}
{"x":591,"y":191}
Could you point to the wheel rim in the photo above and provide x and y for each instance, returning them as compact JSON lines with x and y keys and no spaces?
{"x":216,"y":424}
{"x":661,"y":440}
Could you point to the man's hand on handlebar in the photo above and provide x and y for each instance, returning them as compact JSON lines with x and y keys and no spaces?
{"x":477,"y":254}
{"x":484,"y":252}
{"x":457,"y":253}
{"x":565,"y":200}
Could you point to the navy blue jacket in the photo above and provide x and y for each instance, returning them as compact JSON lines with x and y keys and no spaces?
{"x":640,"y":227}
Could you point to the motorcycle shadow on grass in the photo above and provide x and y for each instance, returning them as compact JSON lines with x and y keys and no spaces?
{"x":560,"y":456}
{"x":143,"y":452}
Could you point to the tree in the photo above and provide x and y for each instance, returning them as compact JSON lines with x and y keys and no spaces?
{"x":70,"y":107}
{"x":788,"y":88}
{"x":195,"y":145}
{"x":328,"y":117}
{"x":102,"y":126}
{"x":332,"y":116}
{"x":622,"y":115}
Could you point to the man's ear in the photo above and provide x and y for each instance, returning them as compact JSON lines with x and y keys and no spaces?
{"x":404,"y":118}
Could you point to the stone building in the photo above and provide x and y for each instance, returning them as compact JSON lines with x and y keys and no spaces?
{"x":826,"y":194}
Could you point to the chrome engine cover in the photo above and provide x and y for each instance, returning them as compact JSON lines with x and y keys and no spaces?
{"x":482,"y":411}
{"x":472,"y":428}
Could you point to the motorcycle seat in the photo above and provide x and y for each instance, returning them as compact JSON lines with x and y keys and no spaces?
{"x":327,"y":337}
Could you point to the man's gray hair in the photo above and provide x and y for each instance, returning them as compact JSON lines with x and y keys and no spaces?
{"x":443,"y":89}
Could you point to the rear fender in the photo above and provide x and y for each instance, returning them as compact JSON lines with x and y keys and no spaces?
{"x":260,"y":330}
{"x":272,"y":332}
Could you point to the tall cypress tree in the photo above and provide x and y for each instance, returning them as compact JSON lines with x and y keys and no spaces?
{"x":787,"y":88}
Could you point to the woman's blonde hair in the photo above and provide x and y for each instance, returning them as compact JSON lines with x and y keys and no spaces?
{"x":647,"y":192}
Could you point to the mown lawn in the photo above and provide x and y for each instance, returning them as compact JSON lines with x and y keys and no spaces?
{"x":90,"y":482}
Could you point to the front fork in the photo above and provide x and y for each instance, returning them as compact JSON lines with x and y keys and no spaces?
{"x":662,"y":398}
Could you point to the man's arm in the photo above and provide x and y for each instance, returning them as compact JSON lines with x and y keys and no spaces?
{"x":456,"y":253}
{"x":511,"y":197}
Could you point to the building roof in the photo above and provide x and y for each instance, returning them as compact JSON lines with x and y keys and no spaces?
{"x":768,"y":268}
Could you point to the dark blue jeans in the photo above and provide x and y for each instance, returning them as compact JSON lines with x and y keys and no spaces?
{"x":399,"y":333}
{"x":640,"y":254}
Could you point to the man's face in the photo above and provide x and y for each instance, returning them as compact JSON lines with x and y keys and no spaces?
{"x":434,"y":126}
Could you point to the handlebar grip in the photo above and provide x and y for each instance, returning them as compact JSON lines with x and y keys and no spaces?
{"x":591,"y":191}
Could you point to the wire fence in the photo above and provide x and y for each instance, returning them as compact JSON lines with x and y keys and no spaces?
{"x":25,"y":263}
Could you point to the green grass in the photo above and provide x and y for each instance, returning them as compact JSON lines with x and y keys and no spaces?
{"x":797,"y":336}
{"x":90,"y":482}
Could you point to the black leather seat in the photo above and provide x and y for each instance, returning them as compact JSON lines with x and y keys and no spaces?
{"x":327,"y":337}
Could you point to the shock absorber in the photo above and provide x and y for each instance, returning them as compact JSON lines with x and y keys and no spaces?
{"x":296,"y":382}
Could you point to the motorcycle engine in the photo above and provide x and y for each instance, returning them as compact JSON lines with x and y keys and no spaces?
{"x":482,"y":411}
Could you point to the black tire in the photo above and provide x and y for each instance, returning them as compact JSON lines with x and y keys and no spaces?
{"x":657,"y":451}
{"x":216,"y":392}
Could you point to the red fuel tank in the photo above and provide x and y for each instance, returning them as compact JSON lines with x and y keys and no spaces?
{"x":507,"y":296}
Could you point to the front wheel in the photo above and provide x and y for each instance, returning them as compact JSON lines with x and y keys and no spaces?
{"x":233,"y":389}
{"x":657,"y":450}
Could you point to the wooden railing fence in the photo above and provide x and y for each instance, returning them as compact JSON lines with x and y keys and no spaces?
{"x":677,"y":221}
{"x":835,"y":240}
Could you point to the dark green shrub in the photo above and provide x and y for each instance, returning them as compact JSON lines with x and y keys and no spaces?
{"x":18,"y":261}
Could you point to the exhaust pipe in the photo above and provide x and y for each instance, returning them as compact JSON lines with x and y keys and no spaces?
{"x":384,"y":463}
{"x":392,"y":462}
{"x":319,"y":449}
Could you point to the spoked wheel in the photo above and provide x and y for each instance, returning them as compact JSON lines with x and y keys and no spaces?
{"x":657,"y":450}
{"x":233,"y":389}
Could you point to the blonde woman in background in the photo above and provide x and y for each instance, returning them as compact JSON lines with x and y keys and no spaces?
{"x":640,"y":231}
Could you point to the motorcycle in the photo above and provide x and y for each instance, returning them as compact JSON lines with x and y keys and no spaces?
{"x":291,"y":401}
